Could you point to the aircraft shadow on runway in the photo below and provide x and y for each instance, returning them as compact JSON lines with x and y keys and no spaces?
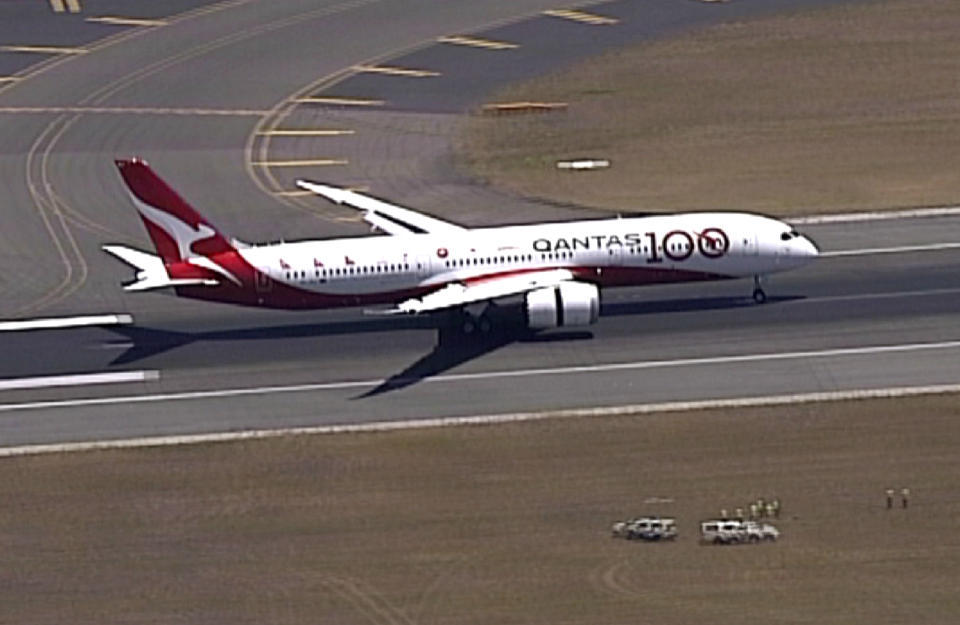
{"x":452,"y":347}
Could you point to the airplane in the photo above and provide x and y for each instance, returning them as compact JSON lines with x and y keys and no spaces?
{"x":428,"y":265}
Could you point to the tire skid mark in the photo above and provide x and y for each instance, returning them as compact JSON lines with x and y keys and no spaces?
{"x":430,"y":597}
{"x":367,"y":601}
{"x":613,"y":579}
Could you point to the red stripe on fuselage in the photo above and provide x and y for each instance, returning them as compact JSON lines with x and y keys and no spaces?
{"x":612,"y":275}
{"x":262,"y":291}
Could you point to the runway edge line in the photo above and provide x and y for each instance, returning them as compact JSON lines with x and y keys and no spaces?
{"x":519,"y":417}
{"x":53,"y":323}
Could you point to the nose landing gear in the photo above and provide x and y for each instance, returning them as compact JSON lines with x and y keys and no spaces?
{"x":759,"y":295}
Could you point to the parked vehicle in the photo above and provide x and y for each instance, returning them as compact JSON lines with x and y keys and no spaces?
{"x":646,"y":528}
{"x":736,"y":531}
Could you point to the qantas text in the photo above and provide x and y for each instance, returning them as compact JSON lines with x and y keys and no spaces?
{"x":676,"y":245}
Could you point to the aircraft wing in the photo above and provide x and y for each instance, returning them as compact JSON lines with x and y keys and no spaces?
{"x":461,"y":294}
{"x":387,"y":217}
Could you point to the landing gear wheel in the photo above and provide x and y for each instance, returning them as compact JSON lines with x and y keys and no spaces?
{"x":468,"y":325}
{"x":759,"y":296}
{"x":484,"y":324}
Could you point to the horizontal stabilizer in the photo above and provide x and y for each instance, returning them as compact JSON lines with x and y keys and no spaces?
{"x":151,"y":272}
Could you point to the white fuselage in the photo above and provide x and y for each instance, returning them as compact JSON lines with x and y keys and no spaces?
{"x":629,"y":251}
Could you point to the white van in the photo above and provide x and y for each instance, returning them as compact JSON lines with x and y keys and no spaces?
{"x":734,"y":531}
{"x":722,"y":531}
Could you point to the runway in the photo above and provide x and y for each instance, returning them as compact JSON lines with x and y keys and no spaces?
{"x":857,"y":321}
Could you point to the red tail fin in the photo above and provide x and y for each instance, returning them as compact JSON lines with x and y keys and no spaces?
{"x":177,"y":230}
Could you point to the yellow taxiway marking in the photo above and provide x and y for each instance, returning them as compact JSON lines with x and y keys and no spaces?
{"x":580,"y":16}
{"x":43,"y":49}
{"x":395,"y":71}
{"x":302,"y":193}
{"x":489,"y":44}
{"x":316,"y":162}
{"x":513,"y":107}
{"x":304,"y":132}
{"x":126,"y":21}
{"x":340,"y":101}
{"x":59,"y":6}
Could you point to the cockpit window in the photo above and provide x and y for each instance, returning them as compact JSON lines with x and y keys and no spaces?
{"x":786,"y":236}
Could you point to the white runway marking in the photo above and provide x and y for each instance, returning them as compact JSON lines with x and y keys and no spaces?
{"x":911,"y":213}
{"x":489,"y":375}
{"x":895,"y":294}
{"x":387,"y":426}
{"x":80,"y":379}
{"x":115,"y":20}
{"x":65,"y":322}
{"x":932,"y":247}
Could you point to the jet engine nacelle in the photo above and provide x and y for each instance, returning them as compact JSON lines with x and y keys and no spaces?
{"x":567,"y":304}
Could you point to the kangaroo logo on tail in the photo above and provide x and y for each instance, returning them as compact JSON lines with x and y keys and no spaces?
{"x":179,"y":232}
{"x":182,"y":234}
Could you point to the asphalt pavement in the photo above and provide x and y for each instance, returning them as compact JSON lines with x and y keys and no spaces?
{"x":195,"y":97}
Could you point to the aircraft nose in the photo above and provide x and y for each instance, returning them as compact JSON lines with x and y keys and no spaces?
{"x":806,"y":248}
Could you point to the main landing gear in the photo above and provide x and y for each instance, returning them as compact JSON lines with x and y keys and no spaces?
{"x":759,"y":295}
{"x":471,"y":324}
{"x":475,"y":319}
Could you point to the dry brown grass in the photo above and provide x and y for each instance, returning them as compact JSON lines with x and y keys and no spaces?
{"x":505,"y":524}
{"x":841,"y":109}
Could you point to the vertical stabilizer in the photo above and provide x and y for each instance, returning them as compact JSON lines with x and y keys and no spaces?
{"x":178,"y":231}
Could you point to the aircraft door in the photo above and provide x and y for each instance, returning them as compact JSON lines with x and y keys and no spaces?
{"x":751,"y":246}
{"x":262,"y":282}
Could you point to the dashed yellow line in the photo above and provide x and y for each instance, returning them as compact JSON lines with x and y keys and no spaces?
{"x":395,"y":71}
{"x":114,"y":20}
{"x":304,"y":132}
{"x":44,"y":49}
{"x":303,"y":193}
{"x":316,"y":162}
{"x":580,"y":16}
{"x":489,"y":44}
{"x":339,"y":101}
